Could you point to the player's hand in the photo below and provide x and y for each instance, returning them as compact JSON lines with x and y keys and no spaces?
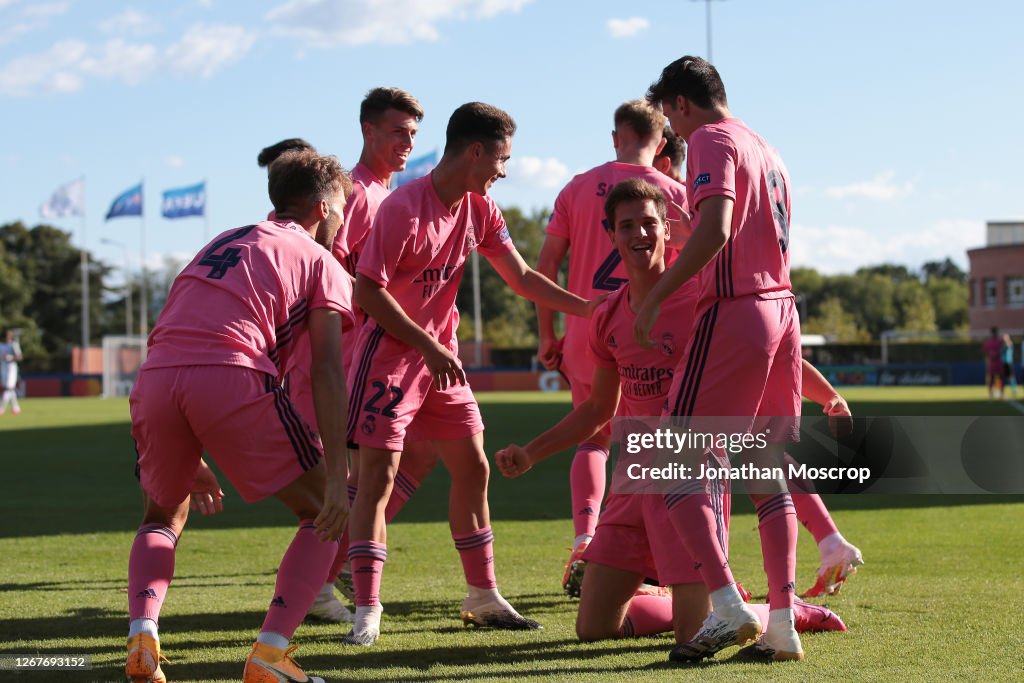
{"x":333,"y":517}
{"x":840,"y":419}
{"x":206,"y":496}
{"x":595,"y":302}
{"x":513,"y":461}
{"x":644,"y":323}
{"x":549,"y":353}
{"x":444,"y":367}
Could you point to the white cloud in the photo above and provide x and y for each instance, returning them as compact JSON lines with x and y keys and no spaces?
{"x":204,"y":50}
{"x":55,"y":70}
{"x":129,"y":22}
{"x":41,"y":10}
{"x":175,"y":161}
{"x":64,"y":68}
{"x":361,"y":22}
{"x":880,"y":188}
{"x":28,"y":18}
{"x":627,"y":28}
{"x":121,"y":61}
{"x":536,"y":172}
{"x":843,"y":249}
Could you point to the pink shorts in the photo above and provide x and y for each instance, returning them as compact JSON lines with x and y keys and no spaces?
{"x":743,"y":359}
{"x":636,"y":535}
{"x":392,"y":397}
{"x":241,"y":417}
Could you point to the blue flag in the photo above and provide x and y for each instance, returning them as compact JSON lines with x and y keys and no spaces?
{"x":184,"y":201}
{"x":415,"y":168}
{"x":128,"y":203}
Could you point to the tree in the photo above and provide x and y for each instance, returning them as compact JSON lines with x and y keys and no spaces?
{"x":949,"y":299}
{"x":943,"y":269}
{"x":835,"y":323}
{"x":915,"y":307}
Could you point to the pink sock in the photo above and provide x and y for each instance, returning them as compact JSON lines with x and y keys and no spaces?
{"x":647,"y":615}
{"x":810,"y":509}
{"x":150,"y":570}
{"x":586,"y":483}
{"x":299,"y":578}
{"x":806,"y":617}
{"x":339,"y":558}
{"x":401,"y":492}
{"x":698,"y":522}
{"x":367,"y":558}
{"x":777,"y":526}
{"x":476,"y":550}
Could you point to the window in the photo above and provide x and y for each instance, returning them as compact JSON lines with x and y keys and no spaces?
{"x":991,"y":292}
{"x":1015,"y":292}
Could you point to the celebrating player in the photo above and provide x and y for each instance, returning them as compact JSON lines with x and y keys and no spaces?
{"x":669,"y":160}
{"x":634,"y":538}
{"x":212,"y":381}
{"x":743,"y":356}
{"x":408,"y":384}
{"x":576,"y":227}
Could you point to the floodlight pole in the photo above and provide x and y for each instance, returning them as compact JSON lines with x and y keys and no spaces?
{"x":707,"y":13}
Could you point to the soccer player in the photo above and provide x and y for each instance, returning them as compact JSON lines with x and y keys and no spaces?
{"x":10,"y":356}
{"x":576,"y":228}
{"x":408,"y":384}
{"x":1009,"y":371}
{"x":634,"y":538}
{"x":992,"y":347}
{"x":669,"y":160}
{"x":743,"y":356}
{"x":212,"y":381}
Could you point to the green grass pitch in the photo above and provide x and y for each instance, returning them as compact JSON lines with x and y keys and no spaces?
{"x":939,"y":597}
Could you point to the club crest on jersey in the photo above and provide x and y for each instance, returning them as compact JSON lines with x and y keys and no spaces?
{"x":668,"y":344}
{"x":503,"y":235}
{"x":369,"y":425}
{"x":702,"y":179}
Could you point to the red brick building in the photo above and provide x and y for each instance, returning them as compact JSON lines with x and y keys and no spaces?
{"x":997,"y":279}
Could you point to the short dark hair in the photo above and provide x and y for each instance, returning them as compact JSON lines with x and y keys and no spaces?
{"x":379,"y":100}
{"x":304,"y":177}
{"x":268,"y":154}
{"x":694,"y":78}
{"x":674,"y":149}
{"x":642,"y":117}
{"x":634,"y":189}
{"x":477,"y":122}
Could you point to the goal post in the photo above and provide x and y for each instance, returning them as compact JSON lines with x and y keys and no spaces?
{"x":122,"y":357}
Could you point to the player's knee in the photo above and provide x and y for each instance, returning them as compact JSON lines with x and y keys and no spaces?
{"x":588,"y":631}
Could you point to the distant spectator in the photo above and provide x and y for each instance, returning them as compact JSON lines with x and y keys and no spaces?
{"x":10,"y":356}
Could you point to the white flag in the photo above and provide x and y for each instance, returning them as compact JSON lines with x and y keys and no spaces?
{"x":68,"y":200}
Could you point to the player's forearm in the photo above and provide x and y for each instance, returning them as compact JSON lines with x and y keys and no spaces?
{"x":382,"y":307}
{"x":704,"y":244}
{"x":579,"y":425}
{"x":815,"y":387}
{"x":547,"y":265}
{"x":330,"y":403}
{"x":544,"y":292}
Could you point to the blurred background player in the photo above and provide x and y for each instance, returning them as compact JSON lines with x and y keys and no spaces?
{"x":669,"y":160}
{"x":992,"y":348}
{"x":1009,"y":370}
{"x":409,"y":384}
{"x":743,"y":356}
{"x":576,"y":228}
{"x":10,"y":356}
{"x":212,"y":381}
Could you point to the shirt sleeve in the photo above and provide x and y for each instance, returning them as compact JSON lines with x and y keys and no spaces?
{"x":354,"y":230}
{"x":332,"y":288}
{"x":495,"y":240}
{"x":599,"y":351}
{"x":710,"y":166}
{"x":559,"y":222}
{"x":384,"y":248}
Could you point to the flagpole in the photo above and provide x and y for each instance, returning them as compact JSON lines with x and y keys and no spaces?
{"x":143,"y":318}
{"x":84,"y":266}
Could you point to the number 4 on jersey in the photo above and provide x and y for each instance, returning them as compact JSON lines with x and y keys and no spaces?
{"x":603,"y":279}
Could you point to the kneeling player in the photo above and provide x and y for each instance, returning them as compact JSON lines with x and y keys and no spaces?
{"x":212,"y":381}
{"x":635,"y":538}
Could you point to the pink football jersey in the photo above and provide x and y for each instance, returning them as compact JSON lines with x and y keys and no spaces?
{"x":728,"y":159}
{"x":417,"y":249}
{"x":595,"y":266}
{"x":367,"y":193}
{"x":645,"y":375}
{"x":244,"y":300}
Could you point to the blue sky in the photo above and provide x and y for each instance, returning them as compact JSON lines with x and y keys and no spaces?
{"x":899,"y":121}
